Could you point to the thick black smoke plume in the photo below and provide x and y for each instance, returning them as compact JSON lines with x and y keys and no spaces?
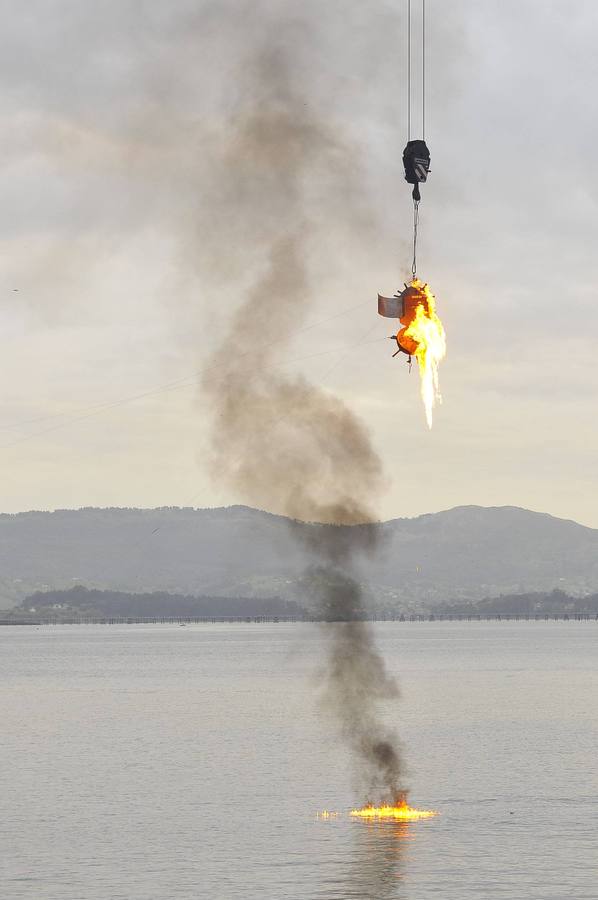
{"x":280,"y":442}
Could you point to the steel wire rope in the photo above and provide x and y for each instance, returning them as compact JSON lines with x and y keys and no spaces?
{"x":416,"y":202}
{"x":409,"y":67}
{"x":415,"y":227}
{"x":424,"y":70}
{"x":408,"y":70}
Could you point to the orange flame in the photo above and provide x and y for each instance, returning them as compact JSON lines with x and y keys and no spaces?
{"x":425,"y":333}
{"x":401,"y":811}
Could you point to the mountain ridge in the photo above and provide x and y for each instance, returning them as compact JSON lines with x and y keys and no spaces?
{"x":256,"y":510}
{"x":462,"y":553}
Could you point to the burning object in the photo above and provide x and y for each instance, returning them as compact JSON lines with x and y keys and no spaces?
{"x":422,"y":335}
{"x":399,"y":811}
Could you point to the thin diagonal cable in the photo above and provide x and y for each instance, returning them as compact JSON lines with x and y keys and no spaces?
{"x":170,"y":385}
{"x":173,"y":386}
{"x":283,"y":417}
{"x":362,"y":340}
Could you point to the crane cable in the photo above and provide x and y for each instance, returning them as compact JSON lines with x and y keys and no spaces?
{"x":416,"y":202}
{"x":415,"y":225}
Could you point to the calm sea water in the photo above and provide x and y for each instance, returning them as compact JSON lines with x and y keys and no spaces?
{"x":164,"y":762}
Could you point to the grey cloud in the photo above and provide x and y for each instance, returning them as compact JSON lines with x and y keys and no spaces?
{"x":114,"y":114}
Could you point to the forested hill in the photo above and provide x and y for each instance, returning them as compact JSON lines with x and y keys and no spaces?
{"x":465,"y":553}
{"x":79,"y":600}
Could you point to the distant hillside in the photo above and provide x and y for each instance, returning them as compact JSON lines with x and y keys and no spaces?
{"x":473,"y":552}
{"x":83,"y":601}
{"x":79,"y":601}
{"x":535,"y":604}
{"x":461,"y":554}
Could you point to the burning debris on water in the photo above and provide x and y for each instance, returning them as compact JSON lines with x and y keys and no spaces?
{"x":400,"y":810}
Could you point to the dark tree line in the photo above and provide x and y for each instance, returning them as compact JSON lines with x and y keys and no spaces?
{"x":89,"y":601}
{"x":83,"y":601}
{"x":538,"y":603}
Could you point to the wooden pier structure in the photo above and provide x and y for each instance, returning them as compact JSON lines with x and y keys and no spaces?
{"x":260,"y":620}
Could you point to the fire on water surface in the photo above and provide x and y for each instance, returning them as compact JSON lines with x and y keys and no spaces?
{"x":401,"y":811}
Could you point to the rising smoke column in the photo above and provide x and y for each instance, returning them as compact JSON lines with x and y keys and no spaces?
{"x":280,"y":442}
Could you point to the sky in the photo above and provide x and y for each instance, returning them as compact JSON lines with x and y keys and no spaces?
{"x":129,"y":227}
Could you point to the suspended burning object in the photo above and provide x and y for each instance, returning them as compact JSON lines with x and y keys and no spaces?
{"x":422,"y":334}
{"x":401,"y":811}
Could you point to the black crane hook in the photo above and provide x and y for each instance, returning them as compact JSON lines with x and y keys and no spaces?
{"x":416,"y":160}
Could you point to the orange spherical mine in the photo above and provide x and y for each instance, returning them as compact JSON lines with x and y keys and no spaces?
{"x":406,"y":343}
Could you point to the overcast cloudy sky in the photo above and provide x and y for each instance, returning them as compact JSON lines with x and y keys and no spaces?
{"x":123,"y":258}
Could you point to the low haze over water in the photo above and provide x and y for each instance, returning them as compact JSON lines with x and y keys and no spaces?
{"x":166,"y":762}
